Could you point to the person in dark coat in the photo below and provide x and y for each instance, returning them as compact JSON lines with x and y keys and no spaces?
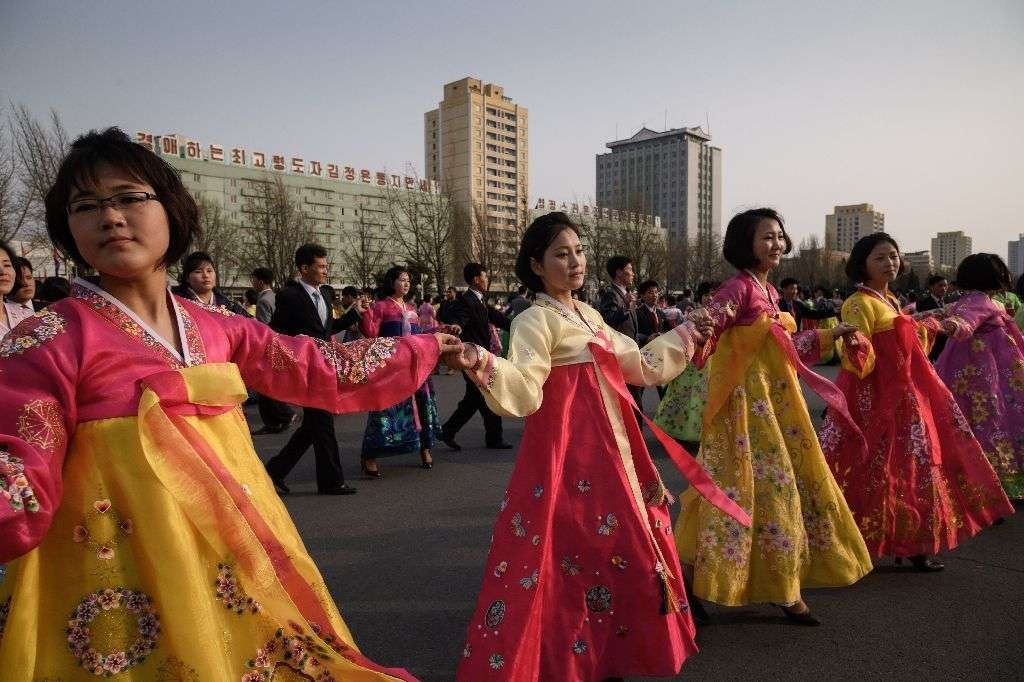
{"x":474,"y":317}
{"x":938,"y":288}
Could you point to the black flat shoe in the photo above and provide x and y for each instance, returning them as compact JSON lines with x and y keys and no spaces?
{"x":926,"y":564}
{"x":280,"y":487}
{"x":372,"y":473}
{"x":450,"y":442}
{"x":424,"y":464}
{"x":697,"y":611}
{"x":338,"y":490}
{"x":804,"y":618}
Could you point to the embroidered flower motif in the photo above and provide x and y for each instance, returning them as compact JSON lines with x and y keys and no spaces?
{"x":500,"y":569}
{"x":357,"y":361}
{"x":619,"y":563}
{"x":569,"y":567}
{"x":14,"y":486}
{"x":214,"y":308}
{"x":517,"y":525}
{"x":280,"y":357}
{"x":114,"y":662}
{"x":94,"y":538}
{"x":32,"y":332}
{"x":105,"y":552}
{"x":535,"y":540}
{"x":174,"y":669}
{"x":231,"y":594}
{"x":495,"y":614}
{"x":622,"y":631}
{"x":467,"y":651}
{"x":760,"y":408}
{"x":80,"y":534}
{"x":611,"y":522}
{"x":41,"y":423}
{"x":599,"y":599}
{"x":742,"y":443}
{"x":538,"y":491}
{"x":530,"y":581}
{"x":301,"y":654}
{"x":527,"y":352}
{"x":829,"y":434}
{"x":579,"y":647}
{"x":496,"y":661}
{"x":583,"y":486}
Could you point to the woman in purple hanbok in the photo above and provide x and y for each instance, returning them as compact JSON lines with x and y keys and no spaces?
{"x":983,"y":365}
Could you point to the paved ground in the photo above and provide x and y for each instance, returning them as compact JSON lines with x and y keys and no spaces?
{"x":403,"y":558}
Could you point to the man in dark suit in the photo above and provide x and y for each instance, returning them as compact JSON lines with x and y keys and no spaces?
{"x":650,"y":321}
{"x":304,"y":307}
{"x":277,"y":416}
{"x":617,"y":306}
{"x":472,"y":314}
{"x":938,"y":288}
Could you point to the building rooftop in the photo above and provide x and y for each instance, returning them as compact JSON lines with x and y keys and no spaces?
{"x":645,"y":134}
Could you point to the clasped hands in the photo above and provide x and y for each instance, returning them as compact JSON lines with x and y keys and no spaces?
{"x":456,"y":354}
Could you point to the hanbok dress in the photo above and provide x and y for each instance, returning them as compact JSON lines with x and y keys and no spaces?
{"x":924,"y":485}
{"x":759,"y":445}
{"x":411,"y":424}
{"x":582,"y":581}
{"x":983,"y":365}
{"x":144,"y":536}
{"x":681,"y":410}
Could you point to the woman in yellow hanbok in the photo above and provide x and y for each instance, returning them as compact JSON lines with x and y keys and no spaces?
{"x":144,"y":539}
{"x":759,"y":446}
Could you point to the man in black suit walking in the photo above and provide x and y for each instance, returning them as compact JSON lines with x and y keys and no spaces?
{"x":471,"y":312}
{"x":304,"y":307}
{"x":617,"y":306}
{"x":938,"y":287}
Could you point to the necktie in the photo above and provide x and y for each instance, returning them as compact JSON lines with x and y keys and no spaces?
{"x":321,"y":309}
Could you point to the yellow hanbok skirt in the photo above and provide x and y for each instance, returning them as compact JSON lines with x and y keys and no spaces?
{"x":761,"y":449}
{"x":172,"y":558}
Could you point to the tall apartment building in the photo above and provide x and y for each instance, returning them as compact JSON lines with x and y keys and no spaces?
{"x":949,"y":248}
{"x":920,"y":262}
{"x":476,"y":146}
{"x":1015,"y":256}
{"x":676,"y":174}
{"x":846,"y":224}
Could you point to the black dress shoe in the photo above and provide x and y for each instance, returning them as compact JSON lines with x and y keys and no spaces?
{"x":450,"y":442}
{"x":372,"y":473}
{"x":337,"y":490}
{"x":926,"y":564}
{"x":280,"y":486}
{"x":796,"y":618}
{"x":500,"y":446}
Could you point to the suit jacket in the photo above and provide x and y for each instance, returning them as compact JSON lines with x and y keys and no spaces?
{"x":929,"y":302}
{"x":646,"y":325}
{"x":474,"y":316}
{"x":801,"y":311}
{"x":266,"y":302}
{"x":296,"y":313}
{"x":219,"y":299}
{"x":613,"y":308}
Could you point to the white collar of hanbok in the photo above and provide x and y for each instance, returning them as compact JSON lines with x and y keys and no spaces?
{"x":178,"y":320}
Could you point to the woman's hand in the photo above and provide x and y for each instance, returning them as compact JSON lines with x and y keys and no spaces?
{"x":703,"y":322}
{"x":451,"y":329}
{"x":466,"y":359}
{"x":846,"y":331}
{"x":448,"y":343}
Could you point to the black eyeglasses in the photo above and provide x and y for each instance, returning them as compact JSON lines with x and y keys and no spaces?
{"x":125,"y":201}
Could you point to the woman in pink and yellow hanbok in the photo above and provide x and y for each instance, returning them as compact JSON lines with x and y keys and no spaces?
{"x":144,"y":539}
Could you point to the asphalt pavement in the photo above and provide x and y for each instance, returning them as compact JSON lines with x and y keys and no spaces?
{"x":404,"y":557}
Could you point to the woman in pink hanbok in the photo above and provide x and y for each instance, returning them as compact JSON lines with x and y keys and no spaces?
{"x":582,"y":581}
{"x":143,"y":537}
{"x":983,"y":365}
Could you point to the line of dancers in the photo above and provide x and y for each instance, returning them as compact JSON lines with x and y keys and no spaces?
{"x":146,"y":541}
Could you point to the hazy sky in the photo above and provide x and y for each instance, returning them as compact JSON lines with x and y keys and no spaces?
{"x":914,"y":107}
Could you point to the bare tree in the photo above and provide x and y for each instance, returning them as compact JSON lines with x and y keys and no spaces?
{"x":219,"y":237}
{"x":364,"y":248}
{"x":701,"y":259}
{"x":813,"y":265}
{"x":496,"y":245}
{"x":275,"y":227}
{"x":421,"y":225}
{"x":14,"y":203}
{"x":39,"y":150}
{"x":637,"y":238}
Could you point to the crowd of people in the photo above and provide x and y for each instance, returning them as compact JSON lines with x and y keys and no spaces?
{"x":131,"y":484}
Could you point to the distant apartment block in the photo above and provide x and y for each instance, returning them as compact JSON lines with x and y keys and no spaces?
{"x":949,"y":248}
{"x":847,"y":224}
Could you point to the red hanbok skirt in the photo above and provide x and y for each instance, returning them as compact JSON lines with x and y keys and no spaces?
{"x":926,"y":485}
{"x":574,"y":587}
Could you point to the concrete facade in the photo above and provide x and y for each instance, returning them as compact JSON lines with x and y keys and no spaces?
{"x":847,"y":224}
{"x":676,"y":174}
{"x":920,"y":262}
{"x":949,"y":248}
{"x":1015,"y":256}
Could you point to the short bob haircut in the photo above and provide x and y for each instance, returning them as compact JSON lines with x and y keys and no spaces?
{"x":984,"y":272}
{"x":112,"y":148}
{"x":856,"y":266}
{"x":738,"y":245}
{"x":193,"y":262}
{"x":387,"y":283}
{"x":536,"y":240}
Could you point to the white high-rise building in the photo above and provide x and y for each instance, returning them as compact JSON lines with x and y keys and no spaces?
{"x":846,"y":224}
{"x":949,"y":248}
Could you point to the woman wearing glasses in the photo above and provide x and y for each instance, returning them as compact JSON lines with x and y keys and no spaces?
{"x":141,"y":530}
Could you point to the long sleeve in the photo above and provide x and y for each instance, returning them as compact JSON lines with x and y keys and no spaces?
{"x":967,"y":314}
{"x":369,"y":323}
{"x":611,"y":312}
{"x":659,"y":361}
{"x":498,"y":319}
{"x":37,"y":391}
{"x":514,"y":387}
{"x":858,"y":358}
{"x":813,"y":313}
{"x":811,"y":344}
{"x":369,"y":374}
{"x":264,"y":309}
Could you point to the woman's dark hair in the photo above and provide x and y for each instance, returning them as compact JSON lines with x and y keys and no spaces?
{"x":79,"y":170}
{"x":738,"y":245}
{"x":387,"y":283}
{"x":6,"y":248}
{"x":983,"y":272}
{"x":536,"y":240}
{"x":706,"y":288}
{"x":1020,"y":286}
{"x":193,"y":262}
{"x":856,"y":266}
